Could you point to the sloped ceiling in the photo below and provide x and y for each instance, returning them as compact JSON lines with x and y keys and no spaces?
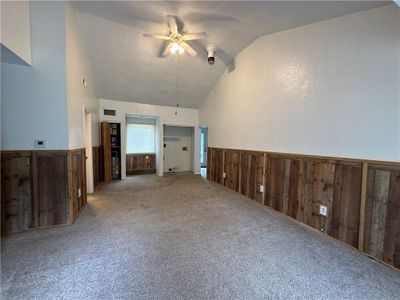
{"x":126,"y":65}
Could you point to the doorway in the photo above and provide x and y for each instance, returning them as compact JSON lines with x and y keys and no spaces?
{"x":203,"y":150}
{"x":178,"y":152}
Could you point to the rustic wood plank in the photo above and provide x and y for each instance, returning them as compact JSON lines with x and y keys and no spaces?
{"x":308,"y":186}
{"x":349,"y":210}
{"x":391,"y":243}
{"x":231,"y":169}
{"x":363,"y":201}
{"x":217,"y":165}
{"x":252,"y":174}
{"x":209,"y":162}
{"x":16,"y":198}
{"x":346,"y":204}
{"x":259,"y":177}
{"x":264,"y":177}
{"x":35,"y":192}
{"x":318,"y":190}
{"x":379,"y":211}
{"x":282,"y":185}
{"x":300,"y":192}
{"x":52,"y":189}
{"x":294,"y":201}
{"x":71,"y":179}
{"x":286,"y":186}
{"x":245,"y":171}
{"x":213,"y":164}
{"x":368,"y":208}
{"x":274,"y":182}
{"x":142,"y":163}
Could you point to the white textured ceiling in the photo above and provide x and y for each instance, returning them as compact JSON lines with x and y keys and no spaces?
{"x":126,"y":65}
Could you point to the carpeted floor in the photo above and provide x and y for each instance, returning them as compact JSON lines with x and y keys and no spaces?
{"x":181,"y":237}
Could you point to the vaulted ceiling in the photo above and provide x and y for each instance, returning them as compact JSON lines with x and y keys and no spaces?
{"x":127,"y":66}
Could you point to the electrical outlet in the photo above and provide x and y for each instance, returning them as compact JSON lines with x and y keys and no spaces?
{"x":79,"y":192}
{"x":261,"y":188}
{"x":323,"y":210}
{"x":224,"y":175}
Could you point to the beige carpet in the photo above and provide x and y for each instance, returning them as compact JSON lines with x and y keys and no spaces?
{"x":181,"y":237}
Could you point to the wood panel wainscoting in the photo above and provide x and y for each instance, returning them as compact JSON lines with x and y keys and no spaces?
{"x":97,"y":165}
{"x":143,"y":163}
{"x":41,"y":188}
{"x":362,"y":197}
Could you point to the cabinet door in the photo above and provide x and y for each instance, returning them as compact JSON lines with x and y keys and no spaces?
{"x":106,"y":145}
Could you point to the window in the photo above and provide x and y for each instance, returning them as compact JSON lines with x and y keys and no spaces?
{"x":140,"y":138}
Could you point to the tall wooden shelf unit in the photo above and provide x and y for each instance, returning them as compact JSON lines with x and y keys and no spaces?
{"x":111,"y":150}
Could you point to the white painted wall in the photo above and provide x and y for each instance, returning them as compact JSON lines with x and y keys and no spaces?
{"x":164,"y":116}
{"x":79,"y":96}
{"x":16,"y":28}
{"x":329,"y":88}
{"x":33,"y":99}
{"x":47,"y":100}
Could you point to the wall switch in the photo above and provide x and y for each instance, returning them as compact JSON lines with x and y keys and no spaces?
{"x":323,"y":210}
{"x":224,"y":175}
{"x":79,"y":193}
{"x":261,"y":188}
{"x":40,"y":144}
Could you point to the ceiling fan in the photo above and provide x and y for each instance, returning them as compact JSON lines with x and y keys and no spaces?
{"x":177,"y":40}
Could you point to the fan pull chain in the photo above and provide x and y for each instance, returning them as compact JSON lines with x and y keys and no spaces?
{"x":177,"y":84}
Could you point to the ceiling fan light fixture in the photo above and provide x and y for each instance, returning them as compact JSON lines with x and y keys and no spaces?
{"x":176,"y":48}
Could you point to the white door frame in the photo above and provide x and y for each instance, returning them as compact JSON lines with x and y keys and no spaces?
{"x":87,"y":131}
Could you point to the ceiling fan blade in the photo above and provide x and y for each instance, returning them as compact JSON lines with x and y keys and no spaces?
{"x":165,"y":49}
{"x":189,"y":49}
{"x":199,"y":47}
{"x":173,"y":24}
{"x":156,"y":36}
{"x":194,"y":36}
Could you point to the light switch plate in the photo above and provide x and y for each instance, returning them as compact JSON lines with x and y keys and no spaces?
{"x":224,"y":175}
{"x":79,"y":193}
{"x":261,"y":188}
{"x":323,"y":210}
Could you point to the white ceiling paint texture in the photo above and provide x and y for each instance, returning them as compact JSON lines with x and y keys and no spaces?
{"x":127,"y":67}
